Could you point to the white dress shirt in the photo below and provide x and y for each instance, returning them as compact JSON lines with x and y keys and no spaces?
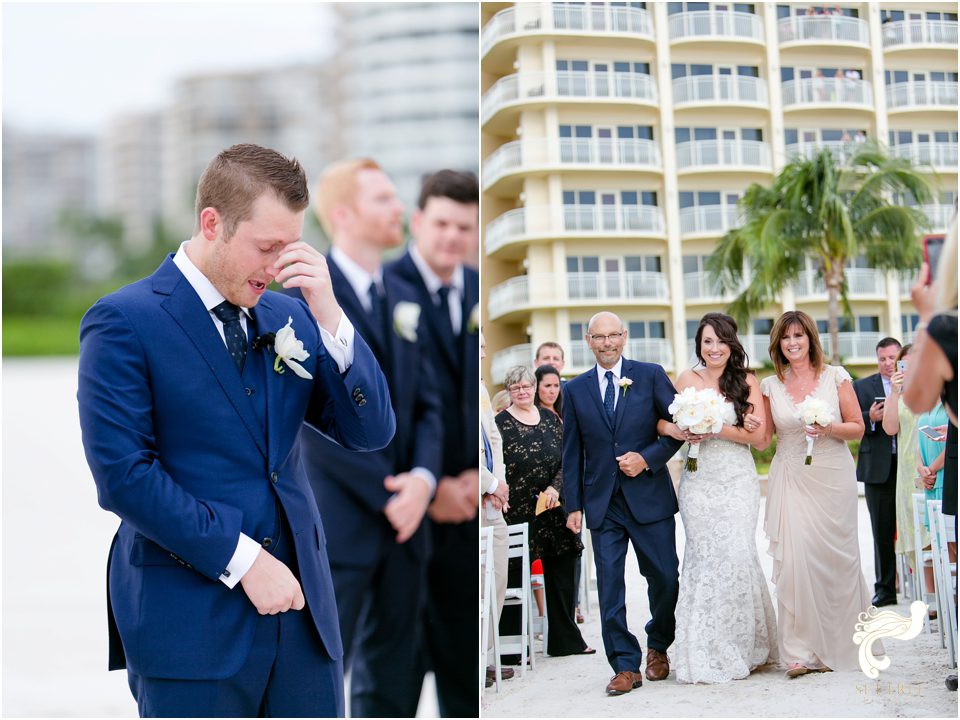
{"x":601,"y":375}
{"x":433,"y":283}
{"x":340,"y":348}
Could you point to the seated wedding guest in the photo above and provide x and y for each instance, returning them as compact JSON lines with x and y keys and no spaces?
{"x":532,"y":453}
{"x":549,"y":397}
{"x":934,"y":374}
{"x":496,"y":494}
{"x":901,"y":422}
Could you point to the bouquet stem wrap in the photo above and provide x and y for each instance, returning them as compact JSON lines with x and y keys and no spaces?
{"x":814,"y":411}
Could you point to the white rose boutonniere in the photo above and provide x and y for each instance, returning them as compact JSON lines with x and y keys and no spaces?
{"x":473,"y":324}
{"x":289,"y":350}
{"x":625,"y":383}
{"x":406,"y":320}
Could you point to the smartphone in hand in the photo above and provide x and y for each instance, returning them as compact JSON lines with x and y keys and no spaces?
{"x":932,"y":245}
{"x":931,"y":433}
{"x":901,"y":365}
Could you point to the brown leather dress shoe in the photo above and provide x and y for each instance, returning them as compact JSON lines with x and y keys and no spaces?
{"x":658,"y":665}
{"x":623,"y":682}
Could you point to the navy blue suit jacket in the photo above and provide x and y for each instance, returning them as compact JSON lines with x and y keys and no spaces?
{"x":876,"y":447}
{"x":457,"y":367}
{"x":349,"y":485}
{"x":591,"y":446}
{"x":178,"y":451}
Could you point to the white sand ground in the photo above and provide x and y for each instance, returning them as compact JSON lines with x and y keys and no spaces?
{"x":55,"y":543}
{"x":574,"y":686}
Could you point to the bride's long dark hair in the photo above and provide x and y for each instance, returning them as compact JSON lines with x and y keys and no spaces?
{"x":733,"y":381}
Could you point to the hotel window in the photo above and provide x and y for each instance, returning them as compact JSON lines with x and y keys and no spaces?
{"x":647,"y":329}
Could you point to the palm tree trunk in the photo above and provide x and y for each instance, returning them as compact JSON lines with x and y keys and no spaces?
{"x":833,"y":279}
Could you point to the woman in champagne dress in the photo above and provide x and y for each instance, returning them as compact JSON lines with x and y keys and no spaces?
{"x":811,"y":511}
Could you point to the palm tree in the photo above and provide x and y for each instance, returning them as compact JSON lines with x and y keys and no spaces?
{"x":826,"y":210}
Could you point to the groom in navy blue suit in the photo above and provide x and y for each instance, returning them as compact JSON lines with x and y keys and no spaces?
{"x":374,"y":502}
{"x":614,"y":470}
{"x":194,"y":384}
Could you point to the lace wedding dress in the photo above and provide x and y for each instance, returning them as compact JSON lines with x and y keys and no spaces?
{"x":725,"y":621}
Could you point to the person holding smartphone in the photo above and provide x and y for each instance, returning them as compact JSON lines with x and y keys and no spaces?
{"x":899,"y":421}
{"x":934,"y":373}
{"x":877,"y":470}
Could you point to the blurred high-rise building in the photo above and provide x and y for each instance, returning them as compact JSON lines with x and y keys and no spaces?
{"x":45,"y":177}
{"x":130,"y":155}
{"x":410,"y":87}
{"x":619,"y":136}
{"x":290,"y":109}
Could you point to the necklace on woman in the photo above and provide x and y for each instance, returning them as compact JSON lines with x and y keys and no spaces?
{"x":806,"y":386}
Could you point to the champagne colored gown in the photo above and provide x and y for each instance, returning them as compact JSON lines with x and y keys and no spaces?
{"x":811,"y":522}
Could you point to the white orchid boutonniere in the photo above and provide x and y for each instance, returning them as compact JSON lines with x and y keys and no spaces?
{"x":473,"y":324}
{"x":406,"y":320}
{"x":290,"y":350}
{"x":625,"y":383}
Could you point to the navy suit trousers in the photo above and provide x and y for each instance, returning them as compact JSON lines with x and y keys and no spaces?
{"x":654,"y":545}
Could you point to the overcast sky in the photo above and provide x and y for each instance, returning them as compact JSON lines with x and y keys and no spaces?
{"x":72,"y":66}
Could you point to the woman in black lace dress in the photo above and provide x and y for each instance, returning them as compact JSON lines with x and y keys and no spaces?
{"x":532,"y":451}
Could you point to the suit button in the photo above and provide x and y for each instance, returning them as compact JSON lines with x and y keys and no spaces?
{"x":248,"y":391}
{"x":274,"y":477}
{"x":267,"y":542}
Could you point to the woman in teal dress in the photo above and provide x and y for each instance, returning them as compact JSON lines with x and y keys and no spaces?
{"x":930,"y":467}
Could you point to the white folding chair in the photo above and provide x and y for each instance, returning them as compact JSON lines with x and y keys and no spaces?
{"x":539,"y":622}
{"x":945,"y":573}
{"x":488,"y":609}
{"x":922,"y":559}
{"x":933,"y":508}
{"x":906,"y":577}
{"x":518,"y":547}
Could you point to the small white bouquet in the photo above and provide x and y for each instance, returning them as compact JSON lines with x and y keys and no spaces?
{"x":814,"y":411}
{"x":699,"y":412}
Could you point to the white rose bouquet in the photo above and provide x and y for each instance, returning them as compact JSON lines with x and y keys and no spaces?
{"x":699,"y":412}
{"x":814,"y":411}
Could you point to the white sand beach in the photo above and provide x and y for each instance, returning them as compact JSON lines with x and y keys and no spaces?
{"x":574,"y":686}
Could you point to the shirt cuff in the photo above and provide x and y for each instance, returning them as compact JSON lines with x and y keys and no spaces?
{"x":242,"y":560}
{"x":428,"y":477}
{"x":340,"y":346}
{"x":492,"y":487}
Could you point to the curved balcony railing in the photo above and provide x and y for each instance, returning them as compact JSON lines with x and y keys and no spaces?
{"x":940,"y":215}
{"x":712,"y":24}
{"x":551,"y":289}
{"x":938,"y":154}
{"x":906,"y":279}
{"x":842,"y":150}
{"x":608,"y":151}
{"x":860,"y":281}
{"x":697,"y":286}
{"x":823,"y":28}
{"x":820,"y":90}
{"x":567,"y":84}
{"x":565,"y":18}
{"x":714,"y":219}
{"x":723,"y":153}
{"x":935,"y":93}
{"x":508,"y":358}
{"x":731,"y":89}
{"x":655,"y":350}
{"x":907,"y":33}
{"x":629,"y":220}
{"x":605,"y":152}
{"x":853,"y":344}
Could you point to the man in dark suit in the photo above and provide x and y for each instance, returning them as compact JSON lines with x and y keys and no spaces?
{"x":877,"y":470}
{"x":191,"y":433}
{"x":445,"y":228}
{"x":614,"y":471}
{"x":375,"y":502}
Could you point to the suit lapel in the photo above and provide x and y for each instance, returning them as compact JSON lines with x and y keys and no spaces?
{"x":406,"y":267}
{"x":354,"y":308}
{"x":622,"y":400}
{"x":187,"y":310}
{"x":593,"y":387}
{"x":268,"y":320}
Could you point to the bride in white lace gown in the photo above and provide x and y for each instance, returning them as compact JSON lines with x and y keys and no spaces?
{"x":726,"y":625}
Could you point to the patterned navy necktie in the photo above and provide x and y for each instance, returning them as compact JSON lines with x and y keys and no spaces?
{"x":446,"y":324}
{"x":229,"y":315}
{"x":608,"y":396}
